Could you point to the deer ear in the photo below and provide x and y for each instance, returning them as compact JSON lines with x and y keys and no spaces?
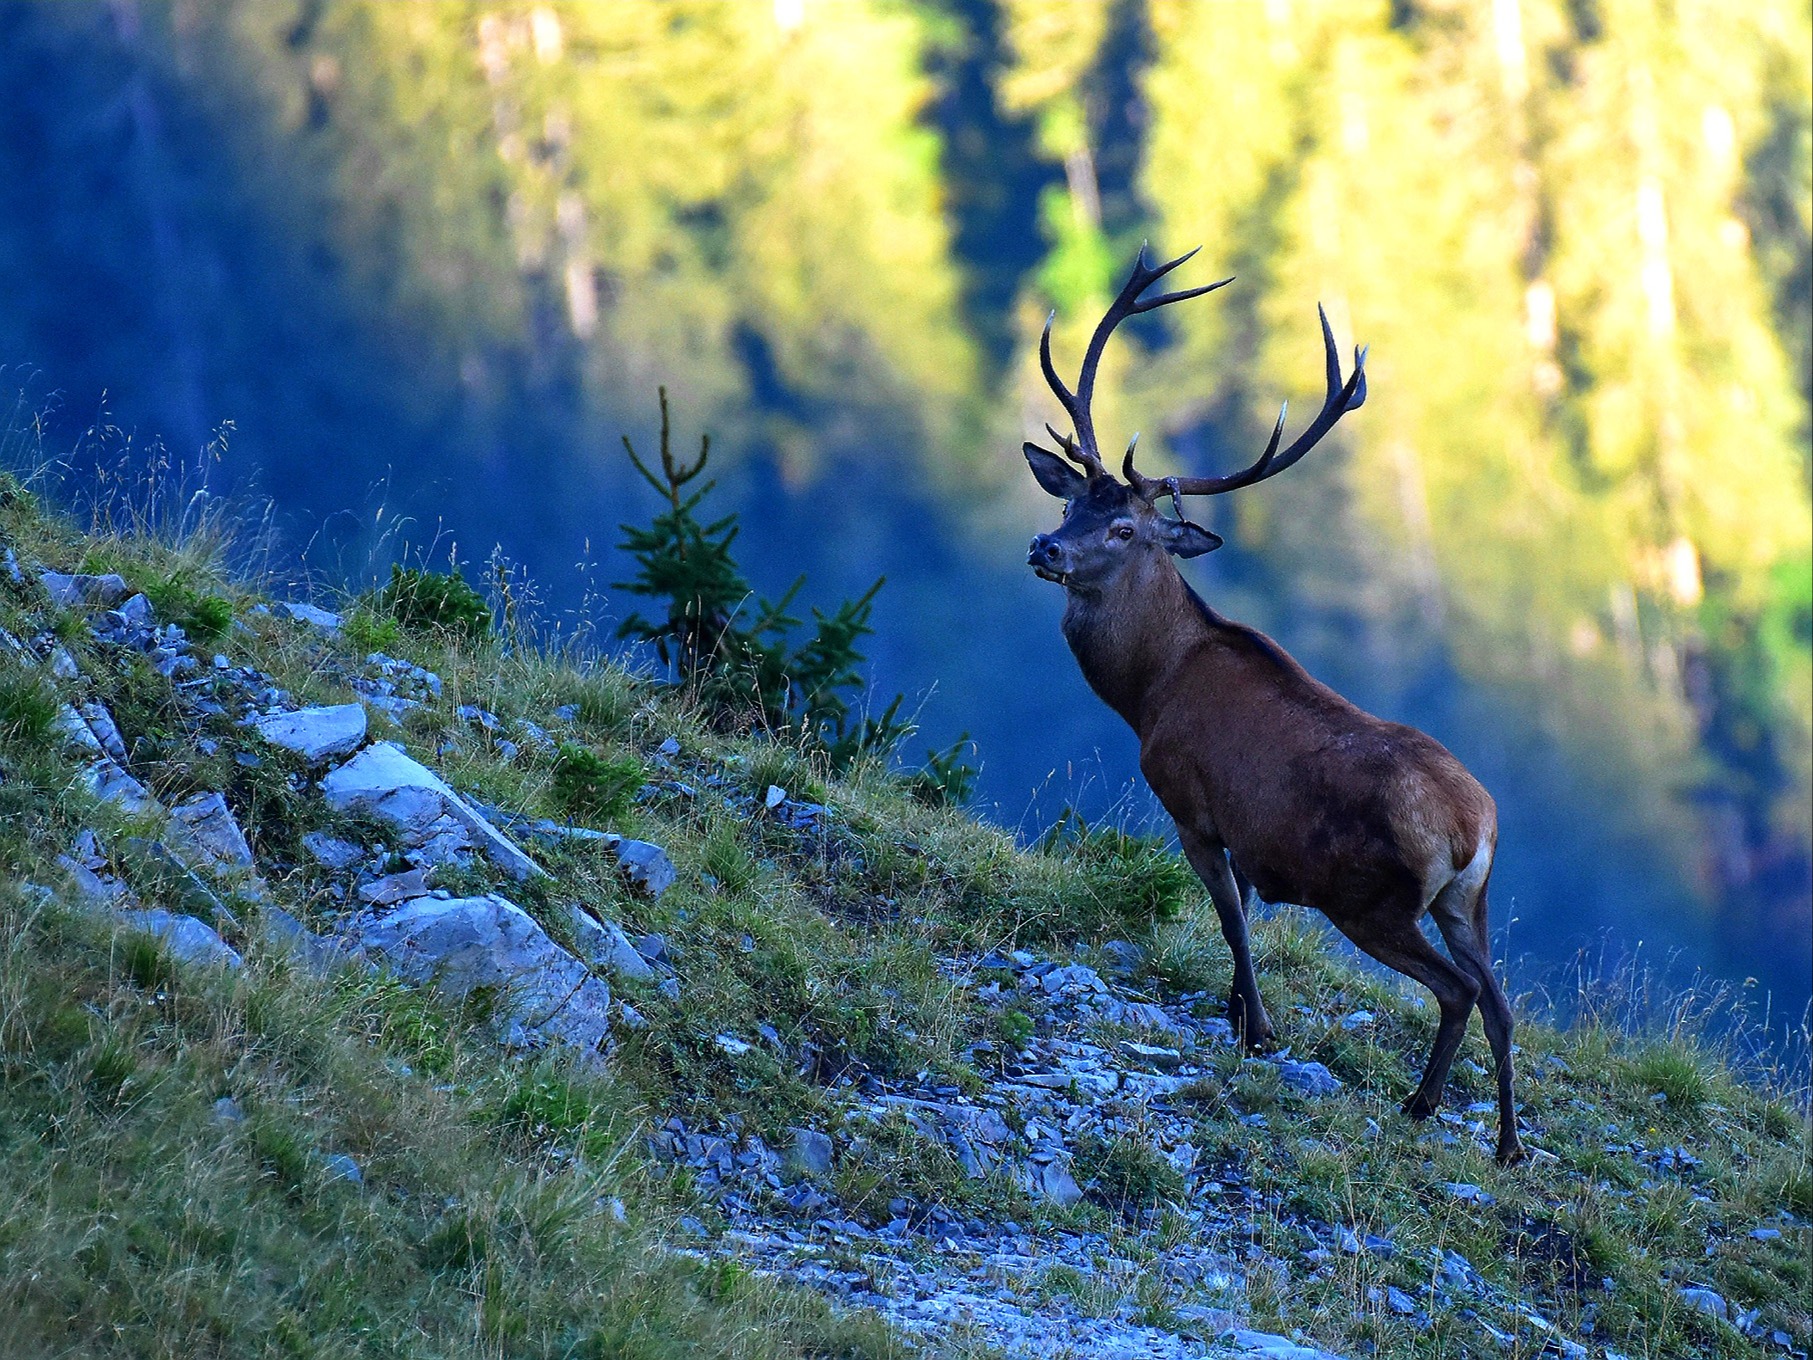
{"x":1184,"y":539}
{"x":1054,"y":474}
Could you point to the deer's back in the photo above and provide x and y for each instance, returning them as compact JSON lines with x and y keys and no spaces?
{"x":1320,"y":802}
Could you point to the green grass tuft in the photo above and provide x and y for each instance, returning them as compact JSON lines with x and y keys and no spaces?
{"x":438,"y":601}
{"x":586,"y":784}
{"x":1673,"y":1071}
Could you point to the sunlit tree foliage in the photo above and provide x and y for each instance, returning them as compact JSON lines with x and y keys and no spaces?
{"x":1576,"y":234}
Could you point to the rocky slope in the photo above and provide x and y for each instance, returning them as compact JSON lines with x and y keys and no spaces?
{"x":845,"y":1044}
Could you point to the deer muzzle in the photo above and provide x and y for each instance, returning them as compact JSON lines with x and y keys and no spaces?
{"x":1049,"y":559}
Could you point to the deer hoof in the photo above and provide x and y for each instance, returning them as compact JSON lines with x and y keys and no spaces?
{"x":1419,"y":1106}
{"x":1251,"y":1026}
{"x":1250,"y":1023}
{"x":1510,"y":1152}
{"x":1258,"y":1039}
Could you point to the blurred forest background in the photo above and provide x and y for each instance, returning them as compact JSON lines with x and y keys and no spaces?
{"x":410,"y":269}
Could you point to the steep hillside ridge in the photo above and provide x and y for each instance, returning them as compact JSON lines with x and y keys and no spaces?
{"x":377,"y":987}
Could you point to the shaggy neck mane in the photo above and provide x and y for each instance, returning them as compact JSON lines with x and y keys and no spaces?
{"x":1130,"y":637}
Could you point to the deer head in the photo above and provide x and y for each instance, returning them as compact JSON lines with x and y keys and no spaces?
{"x":1111,"y":525}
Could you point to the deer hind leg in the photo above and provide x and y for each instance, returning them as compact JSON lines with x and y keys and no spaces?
{"x":1397,"y":943}
{"x":1246,"y":1012}
{"x":1460,"y":914}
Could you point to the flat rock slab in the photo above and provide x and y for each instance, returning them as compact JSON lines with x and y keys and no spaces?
{"x":206,"y":824}
{"x":386,"y":782}
{"x":645,"y":864}
{"x":462,"y":943}
{"x":604,"y":945}
{"x":316,"y":734}
{"x":324,"y":619}
{"x":188,"y":940}
{"x":87,"y":592}
{"x":108,"y":781}
{"x":1274,"y":1347}
{"x":331,"y":852}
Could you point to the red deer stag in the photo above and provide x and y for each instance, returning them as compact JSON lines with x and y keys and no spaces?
{"x":1372,"y":823}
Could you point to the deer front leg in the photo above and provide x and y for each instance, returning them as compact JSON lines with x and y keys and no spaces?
{"x":1246,"y":1013}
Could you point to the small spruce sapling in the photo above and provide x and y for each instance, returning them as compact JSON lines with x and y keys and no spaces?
{"x":738,"y":650}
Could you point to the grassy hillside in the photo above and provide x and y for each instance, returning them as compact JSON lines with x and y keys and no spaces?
{"x":278,"y":1160}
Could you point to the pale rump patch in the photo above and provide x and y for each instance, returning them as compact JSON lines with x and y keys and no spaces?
{"x":1466,"y":882}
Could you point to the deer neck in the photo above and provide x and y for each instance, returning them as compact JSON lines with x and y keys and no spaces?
{"x":1129,"y":637}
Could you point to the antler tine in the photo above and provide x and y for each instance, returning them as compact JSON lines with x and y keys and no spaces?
{"x":1084,"y":457}
{"x":1127,"y":303}
{"x":1342,"y":397}
{"x":1084,"y":449}
{"x":1092,"y":466}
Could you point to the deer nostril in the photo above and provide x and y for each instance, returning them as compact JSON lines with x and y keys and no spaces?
{"x":1051,"y":552}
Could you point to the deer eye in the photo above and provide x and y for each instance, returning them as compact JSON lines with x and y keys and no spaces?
{"x":1123,"y":532}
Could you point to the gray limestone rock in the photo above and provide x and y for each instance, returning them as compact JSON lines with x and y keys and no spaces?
{"x":316,"y":734}
{"x":206,"y":824}
{"x":330,"y":851}
{"x":324,"y":619}
{"x":86,"y":592}
{"x":101,"y":723}
{"x":1309,"y":1079}
{"x":604,"y":945}
{"x":811,"y":1152}
{"x":646,"y":865}
{"x":187,"y":939}
{"x":385,"y":782}
{"x":1054,"y":1181}
{"x":463,"y":943}
{"x":394,"y":888}
{"x":108,"y":781}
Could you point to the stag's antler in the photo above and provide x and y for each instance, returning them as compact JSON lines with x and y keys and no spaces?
{"x":1083,"y":450}
{"x":1341,"y":398}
